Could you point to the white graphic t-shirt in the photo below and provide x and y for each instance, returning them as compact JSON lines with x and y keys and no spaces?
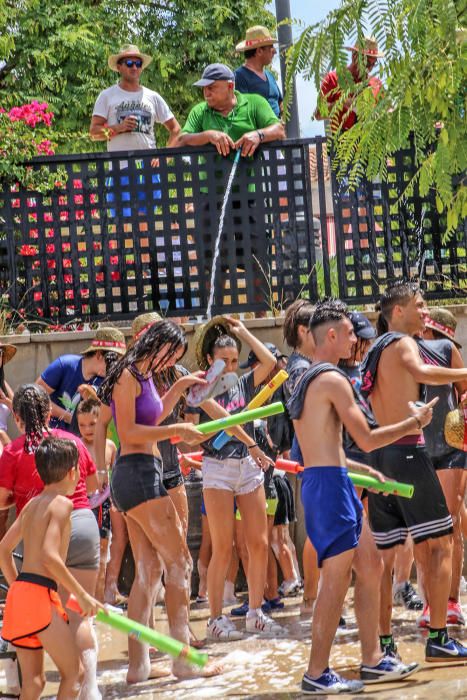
{"x":114,"y":104}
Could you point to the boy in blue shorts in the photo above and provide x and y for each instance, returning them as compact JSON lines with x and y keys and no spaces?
{"x":321,"y":404}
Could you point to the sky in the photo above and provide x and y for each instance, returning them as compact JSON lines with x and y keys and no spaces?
{"x":309,"y":12}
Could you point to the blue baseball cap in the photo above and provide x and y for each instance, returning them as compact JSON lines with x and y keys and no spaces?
{"x":362,"y":326}
{"x":213,"y":72}
{"x":252,"y":359}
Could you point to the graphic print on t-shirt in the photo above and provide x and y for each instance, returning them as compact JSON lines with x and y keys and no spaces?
{"x":137,"y":109}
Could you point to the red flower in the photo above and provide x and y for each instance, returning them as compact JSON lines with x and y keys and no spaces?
{"x":28,"y":250}
{"x":115,"y":276}
{"x":114,"y":259}
{"x":66,"y":262}
{"x":50,"y":248}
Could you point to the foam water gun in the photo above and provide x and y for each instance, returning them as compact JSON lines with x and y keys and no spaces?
{"x":136,"y":630}
{"x":213,"y":426}
{"x":261,"y":397}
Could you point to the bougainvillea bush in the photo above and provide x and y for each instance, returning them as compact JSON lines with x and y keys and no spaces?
{"x":25,"y":133}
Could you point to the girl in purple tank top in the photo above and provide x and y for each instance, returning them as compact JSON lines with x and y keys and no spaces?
{"x":155,"y":532}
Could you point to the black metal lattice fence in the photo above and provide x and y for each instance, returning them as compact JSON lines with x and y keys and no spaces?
{"x":135,"y":231}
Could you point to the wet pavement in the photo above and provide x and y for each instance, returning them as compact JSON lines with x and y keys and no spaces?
{"x":272,"y":669}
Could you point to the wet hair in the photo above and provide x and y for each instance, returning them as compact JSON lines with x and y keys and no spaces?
{"x":31,"y":403}
{"x":360,"y":346}
{"x":147,"y":347}
{"x":397,"y":294}
{"x":328,"y":310}
{"x":221,"y":342}
{"x":2,"y":379}
{"x":298,"y":314}
{"x":110,"y":357}
{"x":88,"y":406}
{"x":54,"y":458}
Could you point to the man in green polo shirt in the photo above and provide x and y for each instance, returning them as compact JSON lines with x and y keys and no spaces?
{"x":229,"y":119}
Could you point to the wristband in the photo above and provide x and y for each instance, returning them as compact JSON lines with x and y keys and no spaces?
{"x":255,"y":444}
{"x":260,"y":134}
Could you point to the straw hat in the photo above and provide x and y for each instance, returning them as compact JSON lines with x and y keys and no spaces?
{"x":9,"y":351}
{"x":455,"y":427}
{"x":107,"y":339}
{"x":128,"y":51}
{"x":206,"y":335}
{"x":142,"y":322}
{"x":369,"y":48}
{"x":255,"y":38}
{"x":444,"y":322}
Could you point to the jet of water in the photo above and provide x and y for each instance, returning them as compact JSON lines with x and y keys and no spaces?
{"x":219,"y":234}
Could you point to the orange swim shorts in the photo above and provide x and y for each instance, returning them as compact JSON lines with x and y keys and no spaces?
{"x":28,"y":610}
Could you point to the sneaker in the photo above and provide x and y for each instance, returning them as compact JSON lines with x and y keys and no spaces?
{"x":221,"y":629}
{"x":329,"y":683}
{"x":424,"y":619}
{"x":388,"y":669}
{"x":263,"y":625}
{"x":240,"y":611}
{"x":390,"y":650}
{"x":289,"y":588}
{"x":454,"y":616}
{"x":451,"y":650}
{"x":408,"y":597}
{"x":273,"y":604}
{"x":229,"y":600}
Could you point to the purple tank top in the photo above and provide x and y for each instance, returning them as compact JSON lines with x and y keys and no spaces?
{"x":148,"y":405}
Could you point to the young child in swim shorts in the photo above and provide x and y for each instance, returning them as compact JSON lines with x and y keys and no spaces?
{"x":34,"y":618}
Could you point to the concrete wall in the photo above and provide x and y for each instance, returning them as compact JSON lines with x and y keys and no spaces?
{"x":35,"y":352}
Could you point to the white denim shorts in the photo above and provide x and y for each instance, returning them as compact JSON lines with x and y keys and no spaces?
{"x":237,"y":475}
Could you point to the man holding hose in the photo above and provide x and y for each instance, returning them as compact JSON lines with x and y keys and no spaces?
{"x":231,"y":121}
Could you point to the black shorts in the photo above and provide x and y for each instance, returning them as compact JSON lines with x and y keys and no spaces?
{"x":102,"y":514}
{"x":425,"y":515}
{"x":136,"y":478}
{"x":285,"y":512}
{"x":171,"y":477}
{"x":454,"y":459}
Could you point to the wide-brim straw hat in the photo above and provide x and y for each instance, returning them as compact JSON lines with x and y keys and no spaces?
{"x":142,"y":322}
{"x":128,"y":51}
{"x":107,"y":339}
{"x":369,"y":48}
{"x":444,"y":322}
{"x":205,"y":336}
{"x":9,"y":351}
{"x":255,"y":38}
{"x":455,"y":428}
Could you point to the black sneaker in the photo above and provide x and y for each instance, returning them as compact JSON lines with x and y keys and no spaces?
{"x":448,"y":650}
{"x":388,"y":669}
{"x":408,"y":597}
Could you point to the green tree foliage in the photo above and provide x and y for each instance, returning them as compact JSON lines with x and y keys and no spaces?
{"x":57,"y":51}
{"x":424,"y":101}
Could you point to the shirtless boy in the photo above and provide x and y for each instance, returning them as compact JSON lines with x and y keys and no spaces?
{"x":321,"y":404}
{"x":393,"y":374}
{"x":34,"y":618}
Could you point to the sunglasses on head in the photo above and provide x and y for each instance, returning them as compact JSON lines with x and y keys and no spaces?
{"x":130,"y":62}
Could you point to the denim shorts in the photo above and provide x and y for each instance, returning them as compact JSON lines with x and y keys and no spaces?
{"x":240,"y":476}
{"x":136,"y":478}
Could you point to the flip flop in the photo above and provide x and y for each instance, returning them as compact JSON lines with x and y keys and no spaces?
{"x":216,"y":384}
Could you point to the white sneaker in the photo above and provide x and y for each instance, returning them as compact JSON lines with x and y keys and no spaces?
{"x":221,"y":629}
{"x":259,"y":623}
{"x":289,"y":588}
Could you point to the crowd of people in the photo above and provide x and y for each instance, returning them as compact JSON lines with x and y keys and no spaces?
{"x":99,"y":429}
{"x":96,"y":465}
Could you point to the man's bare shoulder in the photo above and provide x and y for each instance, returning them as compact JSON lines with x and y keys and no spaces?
{"x":333,"y":379}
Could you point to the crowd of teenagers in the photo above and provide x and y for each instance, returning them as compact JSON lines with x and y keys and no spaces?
{"x":100,"y":429}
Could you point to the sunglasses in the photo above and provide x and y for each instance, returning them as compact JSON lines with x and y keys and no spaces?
{"x":130,"y":62}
